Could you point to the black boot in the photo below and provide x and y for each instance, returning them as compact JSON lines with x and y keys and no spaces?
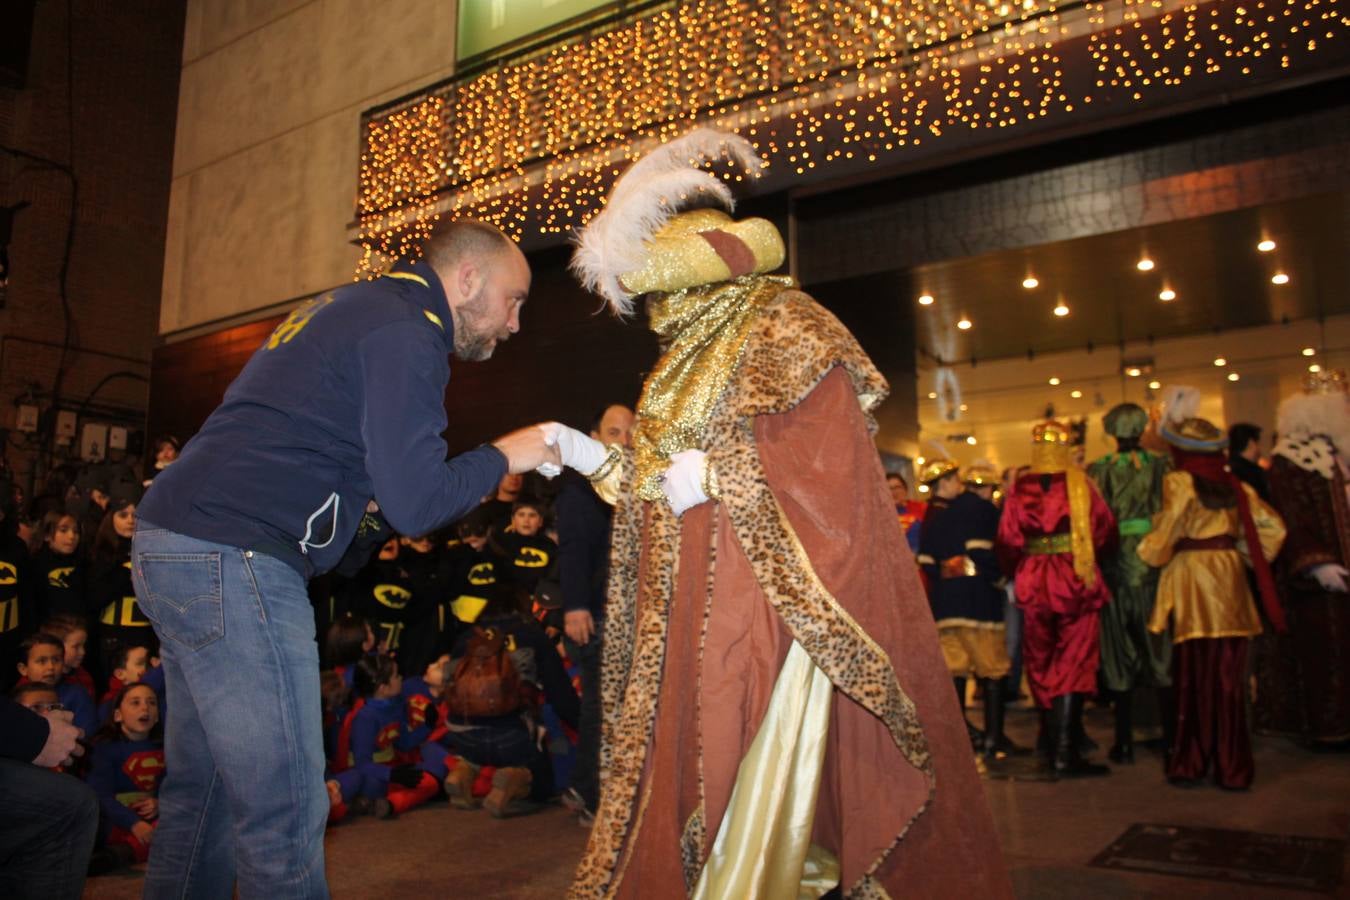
{"x":1067,"y":718}
{"x":996,"y":743}
{"x":1123,"y":749}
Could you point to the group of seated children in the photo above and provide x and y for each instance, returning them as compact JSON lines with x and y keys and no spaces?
{"x":126,"y":762}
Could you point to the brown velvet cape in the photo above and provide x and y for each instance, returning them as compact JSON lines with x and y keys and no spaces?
{"x":704,"y":608}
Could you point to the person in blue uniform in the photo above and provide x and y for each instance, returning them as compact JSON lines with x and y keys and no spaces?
{"x":956,"y":552}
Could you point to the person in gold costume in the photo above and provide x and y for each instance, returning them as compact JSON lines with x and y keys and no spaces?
{"x":778,"y":719}
{"x":1210,"y":528}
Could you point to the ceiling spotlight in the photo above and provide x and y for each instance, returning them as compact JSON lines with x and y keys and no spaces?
{"x":971,"y":440}
{"x":1233,"y":376}
{"x":1220,"y":361}
{"x":1154,"y":385}
{"x":932,"y":395}
{"x":1134,"y":371}
{"x":1309,"y":351}
{"x":1054,"y":381}
{"x":1167,"y":294}
{"x":923,"y":489}
{"x":964,"y":324}
{"x":1279,"y":278}
{"x":1076,"y":394}
{"x":1144,"y":265}
{"x":920,"y":460}
{"x":925,"y":299}
{"x":1061,"y":310}
{"x":1030,"y":282}
{"x":1314,"y":368}
{"x":964,"y":408}
{"x":1266,"y":246}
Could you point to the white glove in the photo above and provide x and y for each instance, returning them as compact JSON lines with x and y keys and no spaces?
{"x":580,"y":451}
{"x":683,"y":481}
{"x":1331,"y":576}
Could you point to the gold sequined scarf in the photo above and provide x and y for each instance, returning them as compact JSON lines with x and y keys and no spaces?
{"x":703,"y":330}
{"x":1049,"y":458}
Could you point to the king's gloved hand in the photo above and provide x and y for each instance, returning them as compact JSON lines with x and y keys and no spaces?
{"x":579,"y":451}
{"x":1331,"y":576}
{"x":684,"y":480}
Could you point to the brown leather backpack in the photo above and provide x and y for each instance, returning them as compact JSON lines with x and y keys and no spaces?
{"x":486,"y":682}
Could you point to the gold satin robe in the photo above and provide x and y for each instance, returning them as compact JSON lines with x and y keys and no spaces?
{"x":1205,"y":591}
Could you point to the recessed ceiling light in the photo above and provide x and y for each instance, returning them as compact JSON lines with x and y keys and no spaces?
{"x":1075,"y":394}
{"x":964,"y":324}
{"x":1266,"y":246}
{"x":1030,"y":282}
{"x":1054,"y":381}
{"x":1167,"y":294}
{"x":1061,"y":310}
{"x":964,"y":408}
{"x":1309,"y":351}
{"x":1279,"y":278}
{"x":1233,"y":376}
{"x":971,"y":440}
{"x":920,"y":460}
{"x":1144,"y":265}
{"x":1314,"y":368}
{"x":1154,"y":385}
{"x":932,"y":395}
{"x":923,"y":489}
{"x":1134,"y":371}
{"x":925,"y":299}
{"x":1220,"y":361}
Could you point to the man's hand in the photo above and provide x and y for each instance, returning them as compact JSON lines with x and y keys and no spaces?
{"x":1331,"y":576}
{"x":62,"y":740}
{"x":683,"y":482}
{"x":527,"y":449}
{"x":579,"y":625}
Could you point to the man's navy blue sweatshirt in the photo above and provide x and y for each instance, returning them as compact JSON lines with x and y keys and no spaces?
{"x":345,"y":401}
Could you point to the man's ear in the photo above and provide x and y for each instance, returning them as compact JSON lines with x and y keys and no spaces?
{"x":467,"y":278}
{"x":23,"y":669}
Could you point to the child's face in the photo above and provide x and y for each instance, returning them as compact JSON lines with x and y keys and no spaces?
{"x":65,"y":538}
{"x":75,"y":642}
{"x":419,"y":544}
{"x":124,"y":521}
{"x":46,"y":664}
{"x":138,"y":713}
{"x":436,"y":671}
{"x":138,"y":660}
{"x":40,"y":701}
{"x":476,"y":541}
{"x":526,"y":521}
{"x":389,"y":550}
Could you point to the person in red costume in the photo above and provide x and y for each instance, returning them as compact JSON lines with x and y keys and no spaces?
{"x":1054,"y":522}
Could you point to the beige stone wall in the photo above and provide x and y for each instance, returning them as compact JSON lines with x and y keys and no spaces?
{"x":265,"y":164}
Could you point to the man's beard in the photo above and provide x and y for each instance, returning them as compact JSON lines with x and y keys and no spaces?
{"x":474,"y":340}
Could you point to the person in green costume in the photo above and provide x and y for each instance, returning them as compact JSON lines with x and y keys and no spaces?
{"x":1131,"y":481}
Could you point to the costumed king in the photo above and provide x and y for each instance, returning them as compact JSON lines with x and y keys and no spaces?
{"x":1054,"y":522}
{"x":778,"y":717}
{"x":1131,"y":482}
{"x":1310,"y":488}
{"x":1210,"y":523}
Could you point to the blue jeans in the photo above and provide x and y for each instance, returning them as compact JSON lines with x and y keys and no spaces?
{"x":243,"y":798}
{"x":46,"y":832}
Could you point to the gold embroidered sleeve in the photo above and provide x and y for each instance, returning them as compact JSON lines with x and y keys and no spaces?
{"x":607,"y":479}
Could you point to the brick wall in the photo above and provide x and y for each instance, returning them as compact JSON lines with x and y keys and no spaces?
{"x":107,"y":110}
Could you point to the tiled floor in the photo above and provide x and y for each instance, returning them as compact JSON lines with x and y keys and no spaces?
{"x":1049,"y":831}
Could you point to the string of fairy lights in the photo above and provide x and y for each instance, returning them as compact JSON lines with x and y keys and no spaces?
{"x":809,"y":83}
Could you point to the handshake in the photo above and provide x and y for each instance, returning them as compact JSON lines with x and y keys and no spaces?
{"x":549,"y":446}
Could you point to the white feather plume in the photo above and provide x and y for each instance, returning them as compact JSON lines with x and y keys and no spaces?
{"x":1180,"y":402}
{"x":645,"y":198}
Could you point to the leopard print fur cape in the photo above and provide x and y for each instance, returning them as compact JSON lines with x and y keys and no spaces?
{"x":793,"y":346}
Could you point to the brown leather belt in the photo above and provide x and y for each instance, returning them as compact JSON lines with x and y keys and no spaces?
{"x":1218,"y":542}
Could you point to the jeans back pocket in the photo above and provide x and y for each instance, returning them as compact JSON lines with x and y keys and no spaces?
{"x":181,"y":593}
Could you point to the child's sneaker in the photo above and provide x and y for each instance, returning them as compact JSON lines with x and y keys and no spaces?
{"x":459,"y":785}
{"x":510,"y":792}
{"x":383,"y":809}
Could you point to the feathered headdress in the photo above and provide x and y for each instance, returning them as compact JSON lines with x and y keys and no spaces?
{"x":1181,"y":427}
{"x":1179,"y":403}
{"x":616,"y":242}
